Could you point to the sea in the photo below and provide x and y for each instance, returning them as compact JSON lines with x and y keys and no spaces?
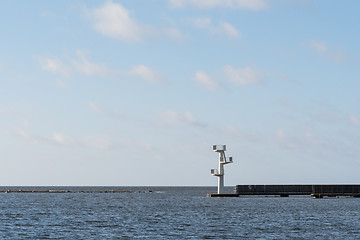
{"x":172,"y":213}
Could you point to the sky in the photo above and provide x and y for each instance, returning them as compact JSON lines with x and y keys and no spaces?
{"x":135,"y":93}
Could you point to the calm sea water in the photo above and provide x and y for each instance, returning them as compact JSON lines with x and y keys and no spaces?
{"x":173,"y":213}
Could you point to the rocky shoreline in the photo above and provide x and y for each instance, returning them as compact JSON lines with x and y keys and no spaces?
{"x":68,"y":191}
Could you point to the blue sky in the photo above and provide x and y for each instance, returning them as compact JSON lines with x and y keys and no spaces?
{"x":136,"y":93}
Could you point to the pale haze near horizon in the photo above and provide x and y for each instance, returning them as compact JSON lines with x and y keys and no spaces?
{"x":127,"y":93}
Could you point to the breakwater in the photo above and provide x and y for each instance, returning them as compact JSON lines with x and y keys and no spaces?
{"x":71,"y":191}
{"x":317,"y":191}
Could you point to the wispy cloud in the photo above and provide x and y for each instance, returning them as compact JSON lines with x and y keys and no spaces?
{"x":80,"y":64}
{"x":205,"y":80}
{"x":319,"y":47}
{"x":146,"y":73}
{"x":254,"y":5}
{"x":222,"y":28}
{"x":173,"y":117}
{"x":23,"y":134}
{"x":106,"y":112}
{"x":229,"y":30}
{"x":60,"y":84}
{"x":114,"y":20}
{"x":97,"y":142}
{"x":200,"y":22}
{"x":354,"y":120}
{"x":55,"y":65}
{"x":336,"y":55}
{"x":84,"y":66}
{"x":242,"y":76}
{"x":134,"y":145}
{"x":281,"y":76}
{"x":304,"y":142}
{"x":25,"y":123}
{"x":59,"y":139}
{"x":33,"y":138}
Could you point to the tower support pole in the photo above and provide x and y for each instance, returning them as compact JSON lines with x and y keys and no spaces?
{"x":220,"y":172}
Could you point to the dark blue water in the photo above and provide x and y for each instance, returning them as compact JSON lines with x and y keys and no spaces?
{"x":173,"y":213}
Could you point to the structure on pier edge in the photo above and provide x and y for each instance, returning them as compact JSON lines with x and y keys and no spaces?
{"x":222,"y":161}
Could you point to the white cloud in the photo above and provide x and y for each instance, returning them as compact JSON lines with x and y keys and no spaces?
{"x":229,"y":30}
{"x":95,"y":108}
{"x":131,"y":145}
{"x":174,"y":117}
{"x":146,"y":73}
{"x":60,"y":83}
{"x":205,"y":80}
{"x":242,"y":76}
{"x":240,"y":4}
{"x":323,"y":50}
{"x":59,"y":138}
{"x":173,"y":33}
{"x":25,"y":123}
{"x":81,"y":64}
{"x":54,"y":65}
{"x":338,"y":56}
{"x":47,"y":14}
{"x":114,"y":20}
{"x":84,"y":66}
{"x":102,"y":111}
{"x":281,"y":76}
{"x":23,"y":134}
{"x":230,"y":131}
{"x":280,"y":134}
{"x":201,"y":22}
{"x":221,"y":29}
{"x":319,"y":47}
{"x":90,"y":141}
{"x":354,"y":120}
{"x":97,"y":142}
{"x":154,"y":32}
{"x":33,"y":139}
{"x":189,"y":118}
{"x":283,"y":140}
{"x":56,"y":138}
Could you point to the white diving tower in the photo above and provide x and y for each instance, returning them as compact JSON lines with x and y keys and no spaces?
{"x":222,"y":161}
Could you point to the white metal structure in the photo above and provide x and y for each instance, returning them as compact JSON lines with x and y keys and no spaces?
{"x":222,"y":161}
